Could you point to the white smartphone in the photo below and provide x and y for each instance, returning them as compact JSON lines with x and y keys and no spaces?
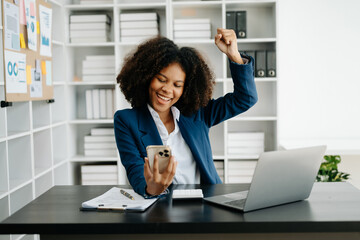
{"x":164,"y":154}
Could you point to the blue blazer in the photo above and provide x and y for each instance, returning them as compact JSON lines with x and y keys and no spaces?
{"x":135,"y":129}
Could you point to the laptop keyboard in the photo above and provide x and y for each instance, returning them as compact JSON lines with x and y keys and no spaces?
{"x":236,"y":203}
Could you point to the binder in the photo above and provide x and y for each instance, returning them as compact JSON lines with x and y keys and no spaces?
{"x":231,"y":20}
{"x":241,"y":24}
{"x":251,"y":53}
{"x":260,"y":63}
{"x":270,"y":63}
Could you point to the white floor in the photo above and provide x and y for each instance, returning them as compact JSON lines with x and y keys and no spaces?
{"x":351,"y":164}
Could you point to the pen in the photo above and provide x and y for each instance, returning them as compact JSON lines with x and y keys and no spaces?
{"x":126,"y":194}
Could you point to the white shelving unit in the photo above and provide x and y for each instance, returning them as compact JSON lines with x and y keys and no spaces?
{"x":51,"y":136}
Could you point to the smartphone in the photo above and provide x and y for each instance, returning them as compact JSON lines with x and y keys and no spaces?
{"x":164,"y":154}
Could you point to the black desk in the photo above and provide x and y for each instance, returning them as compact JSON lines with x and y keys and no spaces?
{"x":332,"y":212}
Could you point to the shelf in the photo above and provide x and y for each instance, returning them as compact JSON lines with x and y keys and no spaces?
{"x":203,"y":4}
{"x":61,"y":174}
{"x":58,"y":108}
{"x":59,"y":140}
{"x":254,"y":118}
{"x":18,"y":118}
{"x":3,"y":168}
{"x":20,"y":198}
{"x":39,"y":129}
{"x":264,"y":79}
{"x":43,"y":183}
{"x":2,"y":114}
{"x":58,"y":43}
{"x":61,"y":83}
{"x":4,"y":206}
{"x":144,"y":5}
{"x":42,"y":151}
{"x":40,"y":113}
{"x":103,"y":44}
{"x":55,"y":2}
{"x":250,"y":3}
{"x":243,"y":157}
{"x":82,"y":158}
{"x":93,"y":83}
{"x":195,"y":41}
{"x":91,"y":121}
{"x":20,"y":169}
{"x":83,"y":7}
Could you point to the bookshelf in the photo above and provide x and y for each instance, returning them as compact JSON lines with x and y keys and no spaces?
{"x":51,"y":136}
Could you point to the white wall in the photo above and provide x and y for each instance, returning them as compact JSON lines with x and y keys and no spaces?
{"x":319,"y":69}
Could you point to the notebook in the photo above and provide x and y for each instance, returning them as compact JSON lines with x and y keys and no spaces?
{"x":280,"y":177}
{"x":115,"y":200}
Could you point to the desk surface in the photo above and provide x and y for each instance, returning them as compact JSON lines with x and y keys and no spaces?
{"x":332,"y":207}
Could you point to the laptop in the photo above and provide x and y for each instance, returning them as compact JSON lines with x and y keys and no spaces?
{"x":280,"y":177}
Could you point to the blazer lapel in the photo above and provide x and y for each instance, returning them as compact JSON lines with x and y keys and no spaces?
{"x":147,"y":127}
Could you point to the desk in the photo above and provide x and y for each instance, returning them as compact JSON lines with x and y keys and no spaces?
{"x":331,"y":212}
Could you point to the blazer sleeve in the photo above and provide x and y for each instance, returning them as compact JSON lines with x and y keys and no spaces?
{"x":240,"y":100}
{"x":129,"y":152}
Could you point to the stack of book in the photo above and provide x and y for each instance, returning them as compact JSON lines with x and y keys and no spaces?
{"x":245,"y":144}
{"x":241,"y":171}
{"x":192,"y":28}
{"x":90,"y":2}
{"x":98,"y":68}
{"x":89,"y":28}
{"x":136,"y":27}
{"x":99,"y":103}
{"x":99,"y":175}
{"x":219,"y":165}
{"x":100,"y":142}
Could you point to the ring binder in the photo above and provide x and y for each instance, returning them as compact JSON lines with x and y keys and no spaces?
{"x":5,"y":104}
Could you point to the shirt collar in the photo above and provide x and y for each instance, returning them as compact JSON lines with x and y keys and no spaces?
{"x":174,"y":111}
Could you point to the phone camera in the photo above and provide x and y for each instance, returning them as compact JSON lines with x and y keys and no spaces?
{"x":161,"y":153}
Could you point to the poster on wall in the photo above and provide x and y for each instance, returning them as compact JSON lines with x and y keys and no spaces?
{"x":11,"y":26}
{"x":30,"y":13}
{"x":15,"y":73}
{"x":45,"y":30}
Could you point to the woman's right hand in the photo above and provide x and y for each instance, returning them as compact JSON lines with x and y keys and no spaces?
{"x":158,"y":182}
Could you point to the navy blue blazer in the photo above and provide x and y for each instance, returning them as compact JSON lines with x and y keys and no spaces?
{"x":135,"y":129}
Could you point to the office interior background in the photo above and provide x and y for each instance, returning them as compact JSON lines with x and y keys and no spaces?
{"x":313,"y":99}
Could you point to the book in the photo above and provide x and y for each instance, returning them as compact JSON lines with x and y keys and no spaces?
{"x":102,"y":131}
{"x":246,"y":136}
{"x":139,"y":32}
{"x":99,"y":168}
{"x":100,"y":152}
{"x":90,"y":26}
{"x":115,"y":200}
{"x":246,"y":144}
{"x":237,"y":150}
{"x":88,"y":33}
{"x":138,"y":16}
{"x":98,"y":64}
{"x":195,"y":26}
{"x":89,"y":2}
{"x":139,"y":24}
{"x":105,"y":78}
{"x":97,"y":145}
{"x":102,"y":95}
{"x":191,"y":20}
{"x":98,"y":139}
{"x":90,"y":18}
{"x":89,"y":40}
{"x":192,"y":34}
{"x":89,"y":104}
{"x":98,"y":71}
{"x":96,"y":103}
{"x":109,"y":103}
{"x":110,"y":58}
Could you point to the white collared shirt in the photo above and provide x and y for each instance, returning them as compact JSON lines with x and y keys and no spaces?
{"x":186,"y":171}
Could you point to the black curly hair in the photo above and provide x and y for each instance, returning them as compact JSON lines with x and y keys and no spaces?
{"x":150,"y":57}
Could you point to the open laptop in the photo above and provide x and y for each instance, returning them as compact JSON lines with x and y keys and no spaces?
{"x":280,"y":177}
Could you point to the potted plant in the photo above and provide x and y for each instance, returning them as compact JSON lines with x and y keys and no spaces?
{"x":328,"y":171}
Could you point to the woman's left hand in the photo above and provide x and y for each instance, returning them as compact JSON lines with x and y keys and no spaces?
{"x":225,"y":40}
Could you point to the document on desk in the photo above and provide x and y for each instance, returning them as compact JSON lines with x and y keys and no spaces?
{"x":115,"y":199}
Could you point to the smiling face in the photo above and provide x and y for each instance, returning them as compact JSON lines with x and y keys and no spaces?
{"x":166,"y":88}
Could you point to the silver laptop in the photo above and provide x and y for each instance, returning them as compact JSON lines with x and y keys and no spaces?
{"x":280,"y":177}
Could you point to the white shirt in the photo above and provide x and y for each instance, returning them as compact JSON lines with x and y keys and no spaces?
{"x":186,"y":171}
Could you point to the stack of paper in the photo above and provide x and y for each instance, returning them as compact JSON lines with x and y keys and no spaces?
{"x":219,"y":165}
{"x":89,"y":28}
{"x":241,"y":171}
{"x":99,"y":174}
{"x":98,"y":68}
{"x":136,"y":27}
{"x":192,"y":28}
{"x":100,"y":142}
{"x":100,"y":103}
{"x":245,"y":144}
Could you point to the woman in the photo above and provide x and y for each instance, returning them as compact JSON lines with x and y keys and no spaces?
{"x":170,"y":91}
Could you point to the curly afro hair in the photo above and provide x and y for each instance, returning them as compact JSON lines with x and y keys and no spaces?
{"x":150,"y":57}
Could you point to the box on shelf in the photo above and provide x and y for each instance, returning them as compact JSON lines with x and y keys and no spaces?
{"x":241,"y":171}
{"x":89,"y":28}
{"x":100,"y":142}
{"x":192,"y":28}
{"x":100,"y":103}
{"x":136,"y":27}
{"x":96,"y":174}
{"x":246,"y":144}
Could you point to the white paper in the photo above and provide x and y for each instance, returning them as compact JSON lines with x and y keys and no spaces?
{"x":113,"y":199}
{"x":11,"y":26}
{"x":30,"y":13}
{"x":15,"y":72}
{"x":45,"y":30}
{"x":36,"y":85}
